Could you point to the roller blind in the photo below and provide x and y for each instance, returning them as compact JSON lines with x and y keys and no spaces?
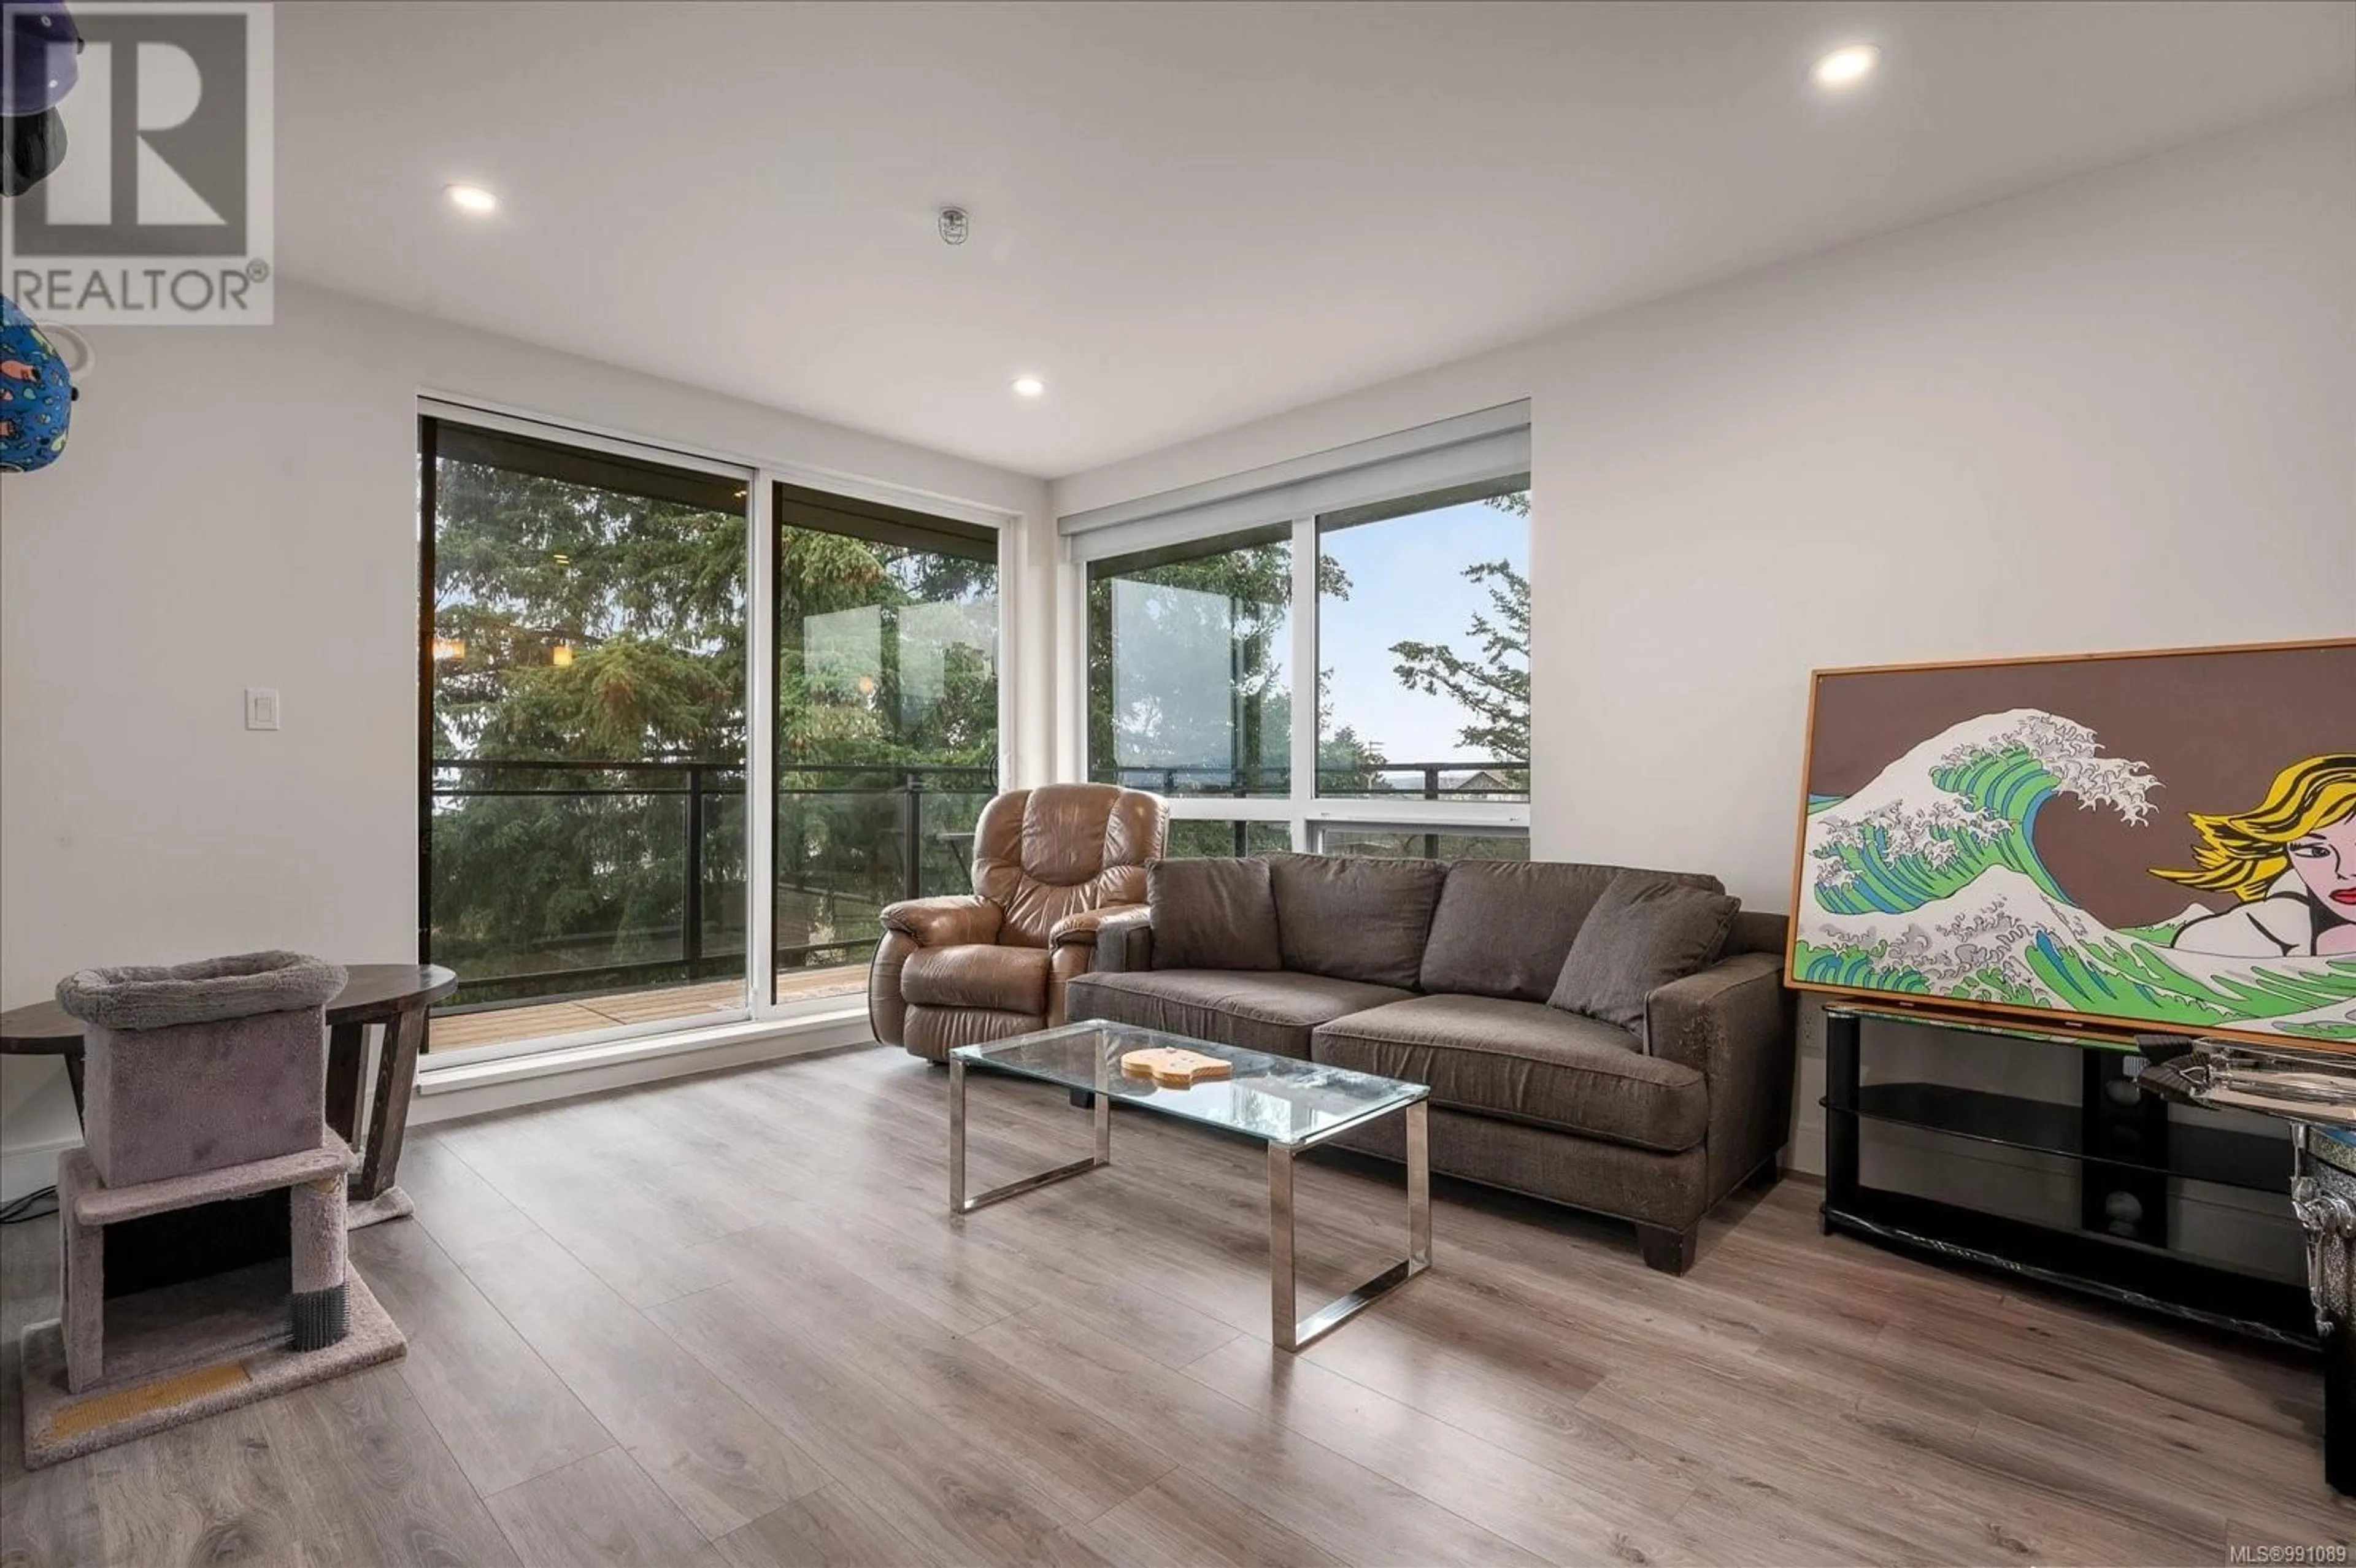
{"x":1466,"y":450}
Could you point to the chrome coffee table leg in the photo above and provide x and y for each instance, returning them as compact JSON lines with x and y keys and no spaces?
{"x":1290,"y":1333}
{"x":962,"y":1204}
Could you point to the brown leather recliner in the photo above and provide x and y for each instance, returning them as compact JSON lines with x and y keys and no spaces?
{"x":1049,"y":864}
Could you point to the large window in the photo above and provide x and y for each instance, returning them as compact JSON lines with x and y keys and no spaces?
{"x":584,"y":709}
{"x":1188,"y":677}
{"x":1396,"y":629}
{"x":592,"y":741}
{"x":886,"y":723}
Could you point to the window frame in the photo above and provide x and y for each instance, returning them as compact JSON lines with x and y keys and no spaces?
{"x":1302,"y":809}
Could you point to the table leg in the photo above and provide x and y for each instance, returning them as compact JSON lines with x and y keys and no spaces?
{"x":73,"y":1081}
{"x":1281,"y":1325}
{"x":1290,"y":1333}
{"x":1103,"y":1109}
{"x":1419,"y":1186}
{"x":957,"y":1135}
{"x":396,"y":1075}
{"x":2340,"y":1408}
{"x":347,"y":1054}
{"x":962,"y":1204}
{"x":1843,"y":1073}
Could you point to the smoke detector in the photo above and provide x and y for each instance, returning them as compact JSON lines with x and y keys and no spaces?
{"x":955,"y":225}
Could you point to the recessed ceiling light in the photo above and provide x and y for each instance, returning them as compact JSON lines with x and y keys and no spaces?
{"x":1846,"y":65}
{"x":471,"y":198}
{"x":1029,"y":387}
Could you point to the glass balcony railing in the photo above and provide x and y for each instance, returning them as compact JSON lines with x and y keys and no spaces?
{"x":1464,"y":779}
{"x":562,"y":881}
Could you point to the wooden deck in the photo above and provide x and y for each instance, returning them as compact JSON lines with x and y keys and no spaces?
{"x":503,"y":1026}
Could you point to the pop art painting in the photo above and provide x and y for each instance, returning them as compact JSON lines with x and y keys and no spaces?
{"x":2153,"y":840}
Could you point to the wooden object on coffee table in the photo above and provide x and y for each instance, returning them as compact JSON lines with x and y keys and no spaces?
{"x":1174,"y":1068}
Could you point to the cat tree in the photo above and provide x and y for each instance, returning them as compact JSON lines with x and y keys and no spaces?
{"x":202,"y":1224}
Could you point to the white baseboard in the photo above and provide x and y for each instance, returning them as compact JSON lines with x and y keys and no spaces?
{"x":28,"y":1168}
{"x":474,"y":1088}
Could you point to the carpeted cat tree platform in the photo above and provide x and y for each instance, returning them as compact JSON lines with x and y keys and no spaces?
{"x":203,"y":1221}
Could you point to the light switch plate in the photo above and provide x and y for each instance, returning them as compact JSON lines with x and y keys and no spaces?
{"x":260,"y":707}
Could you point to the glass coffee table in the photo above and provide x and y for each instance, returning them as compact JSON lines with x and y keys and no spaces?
{"x":1287,"y":1105}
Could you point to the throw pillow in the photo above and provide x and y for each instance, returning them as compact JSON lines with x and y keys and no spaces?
{"x":1503,"y":927}
{"x":1212,"y":914}
{"x":1354,"y":917}
{"x":1642,"y":934}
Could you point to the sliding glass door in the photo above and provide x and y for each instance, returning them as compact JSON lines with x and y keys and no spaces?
{"x":886,"y":727}
{"x":589,"y":861}
{"x":584,"y":717}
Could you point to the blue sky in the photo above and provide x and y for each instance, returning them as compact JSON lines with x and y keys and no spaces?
{"x":1407,"y":582}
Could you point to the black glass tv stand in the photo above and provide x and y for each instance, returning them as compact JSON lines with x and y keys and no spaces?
{"x":2124,"y":1149}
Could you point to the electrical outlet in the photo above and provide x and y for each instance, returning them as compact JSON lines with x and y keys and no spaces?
{"x":260,"y":707}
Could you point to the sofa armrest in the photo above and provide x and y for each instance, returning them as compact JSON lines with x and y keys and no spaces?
{"x":1124,"y":940}
{"x":951,"y":921}
{"x":1734,"y":1024}
{"x":1080,"y":929}
{"x":1735,"y":1008}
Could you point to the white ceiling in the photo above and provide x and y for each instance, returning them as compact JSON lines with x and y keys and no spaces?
{"x":1184,"y":216}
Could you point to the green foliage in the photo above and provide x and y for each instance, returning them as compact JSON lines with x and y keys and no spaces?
{"x":600,"y":627}
{"x":1241,"y":601}
{"x":1494,"y":684}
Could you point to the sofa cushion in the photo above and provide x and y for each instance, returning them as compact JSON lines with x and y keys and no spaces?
{"x":1212,"y":914}
{"x":1272,"y":1011}
{"x":1503,"y":927}
{"x":1356,"y":917}
{"x":1011,"y":979}
{"x":1525,"y":1061}
{"x":1644,"y":932}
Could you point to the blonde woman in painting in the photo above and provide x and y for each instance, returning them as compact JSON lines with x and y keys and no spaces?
{"x":2291,"y":861}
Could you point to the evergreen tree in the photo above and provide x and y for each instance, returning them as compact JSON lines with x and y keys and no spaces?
{"x":1494,"y":684}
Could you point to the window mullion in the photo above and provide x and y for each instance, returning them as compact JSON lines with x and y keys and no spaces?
{"x":1303,"y":790}
{"x":761,"y":749}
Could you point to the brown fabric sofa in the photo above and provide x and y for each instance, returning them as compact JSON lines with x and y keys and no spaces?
{"x":1441,"y":975}
{"x":1048,"y":864}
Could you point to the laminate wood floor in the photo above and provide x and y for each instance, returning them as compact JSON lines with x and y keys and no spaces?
{"x":726,"y":1322}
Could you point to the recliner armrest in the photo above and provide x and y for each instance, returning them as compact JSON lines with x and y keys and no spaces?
{"x":1124,"y":939}
{"x":950,"y":921}
{"x":1080,"y":929}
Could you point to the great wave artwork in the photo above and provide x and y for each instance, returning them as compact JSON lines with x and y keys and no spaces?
{"x":2153,"y":840}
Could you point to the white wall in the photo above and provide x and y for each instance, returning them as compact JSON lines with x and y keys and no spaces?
{"x":237,"y":507}
{"x":2117,"y":413}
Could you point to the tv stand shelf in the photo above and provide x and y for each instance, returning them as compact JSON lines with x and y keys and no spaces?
{"x":2194,"y":1153}
{"x":2124,"y":1152}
